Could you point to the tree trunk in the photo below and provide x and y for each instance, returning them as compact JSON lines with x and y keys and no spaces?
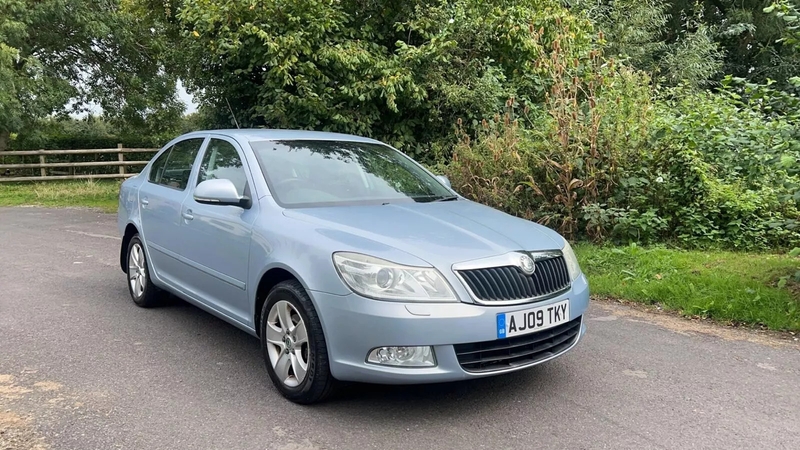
{"x":4,"y":138}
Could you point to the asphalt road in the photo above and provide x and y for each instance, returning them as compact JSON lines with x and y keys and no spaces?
{"x":81,"y":367}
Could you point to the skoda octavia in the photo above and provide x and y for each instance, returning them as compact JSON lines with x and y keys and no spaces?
{"x":347,"y":259}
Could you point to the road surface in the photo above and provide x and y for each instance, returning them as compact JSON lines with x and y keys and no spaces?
{"x":81,"y":367}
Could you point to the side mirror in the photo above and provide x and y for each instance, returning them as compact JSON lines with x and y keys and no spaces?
{"x":220,"y":192}
{"x":444,"y":180}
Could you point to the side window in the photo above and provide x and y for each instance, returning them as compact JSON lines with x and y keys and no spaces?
{"x":179,"y":163}
{"x":221,"y":161}
{"x":158,"y":167}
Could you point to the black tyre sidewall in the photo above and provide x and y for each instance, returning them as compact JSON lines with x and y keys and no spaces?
{"x":317,"y":384}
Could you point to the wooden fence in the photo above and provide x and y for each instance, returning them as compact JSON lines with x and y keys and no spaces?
{"x":101,"y":165}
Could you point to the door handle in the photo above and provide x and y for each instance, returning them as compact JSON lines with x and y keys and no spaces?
{"x":187,"y":214}
{"x":145,"y":202}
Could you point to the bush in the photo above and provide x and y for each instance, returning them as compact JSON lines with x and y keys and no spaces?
{"x":552,"y":161}
{"x":715,"y":174}
{"x":624,"y":225}
{"x":90,"y":132}
{"x":605,"y":159}
{"x":492,"y":168}
{"x":723,"y":164}
{"x":66,"y":134}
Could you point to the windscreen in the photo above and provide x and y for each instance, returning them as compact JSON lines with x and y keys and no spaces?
{"x":319,"y":172}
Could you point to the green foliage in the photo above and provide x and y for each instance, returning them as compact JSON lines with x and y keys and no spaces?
{"x":607,"y":120}
{"x":637,"y":32}
{"x":720,"y":170}
{"x":594,"y":119}
{"x":698,"y":42}
{"x":745,"y":34}
{"x":601,"y":161}
{"x":632,"y":28}
{"x":57,"y":55}
{"x":404,"y":72}
{"x":89,"y":132}
{"x":791,"y":278}
{"x":492,"y":168}
{"x":726,"y":170}
{"x":693,"y":60}
{"x":789,"y":12}
{"x":624,"y":225}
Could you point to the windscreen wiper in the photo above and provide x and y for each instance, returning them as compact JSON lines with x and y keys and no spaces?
{"x":448,"y":198}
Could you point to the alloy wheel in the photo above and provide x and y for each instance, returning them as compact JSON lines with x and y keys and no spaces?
{"x":287,"y":343}
{"x":137,"y":274}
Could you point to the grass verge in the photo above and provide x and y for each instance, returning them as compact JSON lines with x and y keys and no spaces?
{"x":733,"y":287}
{"x":84,"y":193}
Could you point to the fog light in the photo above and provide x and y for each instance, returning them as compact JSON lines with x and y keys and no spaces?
{"x":403,"y":356}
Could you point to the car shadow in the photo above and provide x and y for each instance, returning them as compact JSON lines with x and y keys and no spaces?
{"x":467,"y":397}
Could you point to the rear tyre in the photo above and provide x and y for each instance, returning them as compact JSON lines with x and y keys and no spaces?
{"x":294,"y":345}
{"x":143,"y":292}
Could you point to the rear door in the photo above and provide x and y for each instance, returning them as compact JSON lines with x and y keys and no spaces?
{"x":160,"y":200}
{"x":217,"y":237}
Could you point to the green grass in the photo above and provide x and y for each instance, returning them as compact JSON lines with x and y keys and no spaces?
{"x":84,"y":193}
{"x":732,"y":287}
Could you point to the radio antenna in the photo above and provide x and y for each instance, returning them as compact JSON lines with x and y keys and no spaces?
{"x":232,"y":114}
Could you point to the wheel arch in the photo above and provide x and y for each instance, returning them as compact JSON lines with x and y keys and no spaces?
{"x":269,"y":279}
{"x":130,"y":231}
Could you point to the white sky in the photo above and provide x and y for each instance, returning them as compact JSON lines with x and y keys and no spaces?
{"x":187,"y":98}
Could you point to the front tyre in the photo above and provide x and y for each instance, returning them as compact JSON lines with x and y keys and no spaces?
{"x":294,"y":346}
{"x":143,"y":292}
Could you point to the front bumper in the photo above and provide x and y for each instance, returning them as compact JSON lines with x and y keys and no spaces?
{"x":354,"y":325}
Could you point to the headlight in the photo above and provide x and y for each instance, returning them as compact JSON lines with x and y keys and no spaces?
{"x":383,"y":280}
{"x":572,"y":261}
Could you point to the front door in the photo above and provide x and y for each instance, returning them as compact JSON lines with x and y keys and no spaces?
{"x":217,"y":237}
{"x":160,"y":200}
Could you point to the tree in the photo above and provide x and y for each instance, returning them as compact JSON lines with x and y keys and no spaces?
{"x":405,"y":72}
{"x":638,"y":31}
{"x":632,"y":28}
{"x":696,"y":40}
{"x":59,"y":55}
{"x":747,"y":36}
{"x":789,"y":13}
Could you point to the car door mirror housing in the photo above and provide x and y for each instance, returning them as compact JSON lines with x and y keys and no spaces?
{"x":444,"y":180}
{"x":220,"y":192}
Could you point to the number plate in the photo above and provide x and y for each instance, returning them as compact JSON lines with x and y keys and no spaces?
{"x":531,"y":320}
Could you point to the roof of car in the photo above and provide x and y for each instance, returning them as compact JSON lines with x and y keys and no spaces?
{"x":262,"y":134}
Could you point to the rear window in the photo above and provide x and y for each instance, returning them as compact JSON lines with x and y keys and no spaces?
{"x":177,"y":168}
{"x":157,"y":169}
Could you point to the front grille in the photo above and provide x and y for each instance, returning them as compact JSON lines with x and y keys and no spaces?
{"x":509,"y":283}
{"x":500,"y":354}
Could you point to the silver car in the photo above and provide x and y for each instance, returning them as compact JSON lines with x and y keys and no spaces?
{"x":347,"y":259}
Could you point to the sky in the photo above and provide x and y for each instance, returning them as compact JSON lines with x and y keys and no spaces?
{"x":187,"y":98}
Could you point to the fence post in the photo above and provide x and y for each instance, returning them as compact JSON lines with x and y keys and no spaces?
{"x":121,"y":159}
{"x":43,"y":170}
